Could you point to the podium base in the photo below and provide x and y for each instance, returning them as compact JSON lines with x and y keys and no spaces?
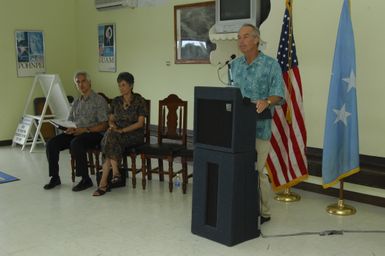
{"x":225,"y":205}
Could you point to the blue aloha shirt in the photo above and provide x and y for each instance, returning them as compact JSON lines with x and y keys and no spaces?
{"x":259,"y":80}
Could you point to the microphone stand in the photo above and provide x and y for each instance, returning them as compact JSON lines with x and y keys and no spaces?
{"x":229,"y":74}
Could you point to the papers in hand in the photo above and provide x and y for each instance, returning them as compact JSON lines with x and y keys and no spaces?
{"x":62,"y":124}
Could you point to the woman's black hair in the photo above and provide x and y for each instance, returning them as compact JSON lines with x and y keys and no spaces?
{"x":128,"y":77}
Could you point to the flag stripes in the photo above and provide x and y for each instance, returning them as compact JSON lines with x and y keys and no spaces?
{"x":287,"y":163}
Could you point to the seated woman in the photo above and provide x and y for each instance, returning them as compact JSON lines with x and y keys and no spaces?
{"x":126,"y":121}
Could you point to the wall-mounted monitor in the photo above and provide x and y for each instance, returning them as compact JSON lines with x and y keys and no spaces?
{"x":230,"y":15}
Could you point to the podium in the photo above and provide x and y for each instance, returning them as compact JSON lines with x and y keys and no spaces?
{"x":225,"y":204}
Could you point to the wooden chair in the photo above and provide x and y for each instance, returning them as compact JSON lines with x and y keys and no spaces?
{"x":93,"y":154}
{"x":187,"y":155}
{"x":93,"y":162}
{"x":135,"y":150}
{"x":172,"y":137}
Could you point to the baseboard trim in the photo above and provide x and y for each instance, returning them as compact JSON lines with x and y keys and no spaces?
{"x":5,"y":143}
{"x":348,"y":195}
{"x":372,"y":172}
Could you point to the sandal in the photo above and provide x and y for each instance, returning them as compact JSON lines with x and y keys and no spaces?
{"x":116,"y":180}
{"x":100,"y":192}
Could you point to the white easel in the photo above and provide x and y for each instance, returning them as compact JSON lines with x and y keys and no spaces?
{"x":55,"y":98}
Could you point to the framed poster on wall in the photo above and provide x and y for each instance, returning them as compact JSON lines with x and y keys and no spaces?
{"x":107,"y":47}
{"x":30,"y":57}
{"x":192,"y":23}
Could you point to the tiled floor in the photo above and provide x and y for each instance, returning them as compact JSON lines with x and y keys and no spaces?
{"x":131,"y":221}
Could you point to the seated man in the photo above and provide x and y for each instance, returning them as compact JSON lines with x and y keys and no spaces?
{"x":90,"y":113}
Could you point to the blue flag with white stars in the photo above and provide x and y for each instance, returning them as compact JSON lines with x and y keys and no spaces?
{"x":341,"y":150}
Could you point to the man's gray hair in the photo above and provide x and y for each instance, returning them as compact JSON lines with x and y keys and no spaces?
{"x":255,"y":31}
{"x":82,"y":73}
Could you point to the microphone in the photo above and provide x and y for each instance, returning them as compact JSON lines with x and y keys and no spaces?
{"x":232,"y":57}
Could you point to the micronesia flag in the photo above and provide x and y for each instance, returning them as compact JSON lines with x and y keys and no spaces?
{"x":340,"y":150}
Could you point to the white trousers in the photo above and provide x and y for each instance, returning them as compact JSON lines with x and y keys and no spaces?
{"x":263,"y":147}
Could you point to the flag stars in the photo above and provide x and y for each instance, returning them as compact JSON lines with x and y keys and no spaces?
{"x":342,"y":115}
{"x":351,"y":80}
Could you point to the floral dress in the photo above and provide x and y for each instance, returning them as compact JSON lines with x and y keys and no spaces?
{"x":114,"y":143}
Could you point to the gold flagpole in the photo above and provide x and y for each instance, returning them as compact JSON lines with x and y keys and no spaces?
{"x":290,"y":61}
{"x":340,"y":208}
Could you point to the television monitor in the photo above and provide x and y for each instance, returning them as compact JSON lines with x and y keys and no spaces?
{"x":230,"y":15}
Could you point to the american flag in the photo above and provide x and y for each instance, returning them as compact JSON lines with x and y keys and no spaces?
{"x":287,"y":163}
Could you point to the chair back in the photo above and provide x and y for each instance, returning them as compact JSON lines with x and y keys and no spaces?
{"x":108,"y":100}
{"x":172,"y":121}
{"x":147,"y":119}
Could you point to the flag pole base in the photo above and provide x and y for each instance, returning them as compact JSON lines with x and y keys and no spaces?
{"x":341,"y":209}
{"x":287,"y":196}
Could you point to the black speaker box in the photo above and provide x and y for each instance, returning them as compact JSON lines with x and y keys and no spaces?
{"x":225,"y":196}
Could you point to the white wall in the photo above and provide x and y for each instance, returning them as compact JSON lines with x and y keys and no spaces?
{"x":56,"y":18}
{"x":145,"y":41}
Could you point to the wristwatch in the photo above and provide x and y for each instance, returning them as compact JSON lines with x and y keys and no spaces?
{"x":88,"y":130}
{"x":268,"y":101}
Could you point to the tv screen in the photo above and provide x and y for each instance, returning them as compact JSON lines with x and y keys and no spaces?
{"x":231,"y":10}
{"x":230,"y":15}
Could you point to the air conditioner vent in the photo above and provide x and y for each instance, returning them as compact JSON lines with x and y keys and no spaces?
{"x":102,"y":5}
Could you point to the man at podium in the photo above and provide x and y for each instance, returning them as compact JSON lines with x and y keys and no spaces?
{"x":259,"y":78}
{"x":89,"y":113}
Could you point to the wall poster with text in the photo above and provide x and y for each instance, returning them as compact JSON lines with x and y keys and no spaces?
{"x":29,"y":53}
{"x":107,"y":49}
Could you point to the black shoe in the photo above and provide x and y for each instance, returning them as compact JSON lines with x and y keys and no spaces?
{"x":52,"y":183}
{"x":264,"y":219}
{"x":82,"y":185}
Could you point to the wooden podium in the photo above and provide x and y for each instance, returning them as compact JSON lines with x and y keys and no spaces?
{"x":225,"y":189}
{"x":28,"y":131}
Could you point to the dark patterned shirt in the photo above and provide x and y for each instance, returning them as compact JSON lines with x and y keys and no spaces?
{"x":113,"y":143}
{"x":126,"y":117}
{"x":89,"y":111}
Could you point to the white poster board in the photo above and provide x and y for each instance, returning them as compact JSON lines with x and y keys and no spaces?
{"x":55,"y":95}
{"x":22,"y":131}
{"x":56,"y":99}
